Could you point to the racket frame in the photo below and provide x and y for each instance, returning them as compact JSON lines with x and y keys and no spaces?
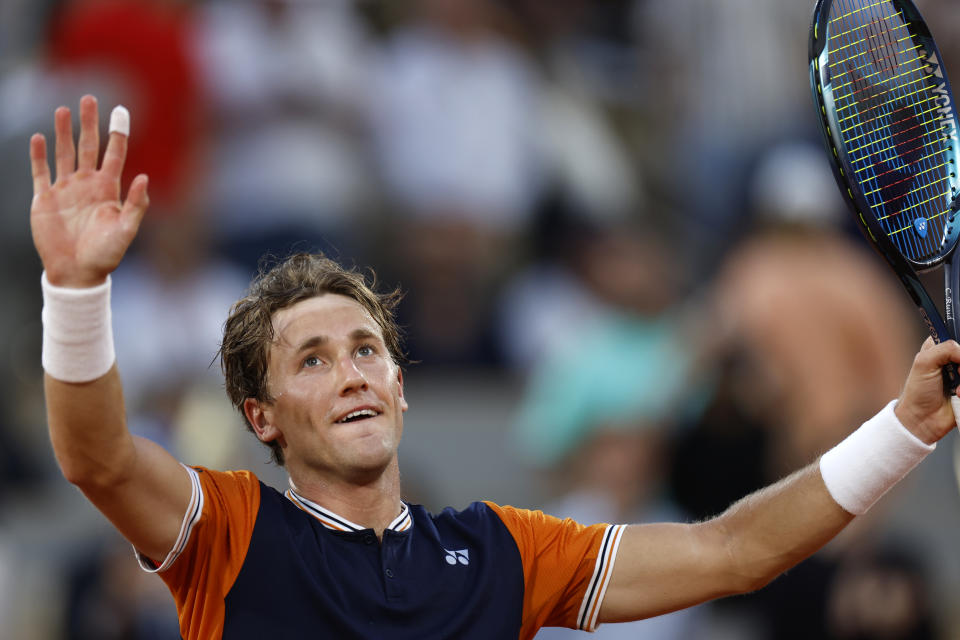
{"x":941,"y":322}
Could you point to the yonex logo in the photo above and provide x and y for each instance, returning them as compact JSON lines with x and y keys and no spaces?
{"x":920,"y":224}
{"x":457,"y":555}
{"x":942,"y":98}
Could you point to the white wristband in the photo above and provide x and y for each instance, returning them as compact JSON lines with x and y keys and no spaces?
{"x":872,"y":459}
{"x":77,"y":332}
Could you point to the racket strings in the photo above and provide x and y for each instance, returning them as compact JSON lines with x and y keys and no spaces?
{"x":910,"y":118}
{"x":861,"y":79}
{"x":923,"y":146}
{"x":912,"y":177}
{"x":858,"y":42}
{"x":878,"y":117}
{"x":932,"y":218}
{"x":892,"y":127}
{"x":844,"y":16}
{"x":854,"y":104}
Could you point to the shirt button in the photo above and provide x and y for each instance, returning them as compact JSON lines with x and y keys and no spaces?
{"x":389,"y":573}
{"x":368,"y":539}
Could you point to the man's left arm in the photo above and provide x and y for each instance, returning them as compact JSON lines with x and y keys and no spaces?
{"x":665,"y":567}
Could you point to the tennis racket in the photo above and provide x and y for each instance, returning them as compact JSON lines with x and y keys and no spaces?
{"x":888,"y":118}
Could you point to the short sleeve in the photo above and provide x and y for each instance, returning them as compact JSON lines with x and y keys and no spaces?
{"x":216,"y":534}
{"x":566,"y":568}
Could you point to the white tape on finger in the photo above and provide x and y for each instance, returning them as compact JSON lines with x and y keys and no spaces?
{"x":955,"y":404}
{"x":120,"y":120}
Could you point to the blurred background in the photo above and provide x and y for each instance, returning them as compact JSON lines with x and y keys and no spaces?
{"x":633,"y":293}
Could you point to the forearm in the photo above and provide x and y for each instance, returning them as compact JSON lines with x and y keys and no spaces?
{"x":661,"y":568}
{"x":775,"y":528}
{"x":665,"y":567}
{"x":84,"y":395}
{"x":88,"y":430}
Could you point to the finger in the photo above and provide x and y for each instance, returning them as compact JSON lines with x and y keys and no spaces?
{"x":927,"y":344}
{"x":136,"y":204}
{"x":116,"y":153}
{"x":88,"y":147}
{"x":64,"y":151}
{"x":38,"y":164}
{"x":941,"y":354}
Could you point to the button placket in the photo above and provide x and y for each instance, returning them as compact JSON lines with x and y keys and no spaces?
{"x":390,"y":548}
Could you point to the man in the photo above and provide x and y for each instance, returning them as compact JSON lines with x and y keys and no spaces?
{"x":311,"y":359}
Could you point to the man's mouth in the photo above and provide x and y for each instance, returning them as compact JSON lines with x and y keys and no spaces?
{"x":359,"y":414}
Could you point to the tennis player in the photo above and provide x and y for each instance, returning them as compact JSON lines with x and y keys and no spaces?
{"x":312,"y":360}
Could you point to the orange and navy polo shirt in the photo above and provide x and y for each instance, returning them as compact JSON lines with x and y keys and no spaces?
{"x":251,"y":562}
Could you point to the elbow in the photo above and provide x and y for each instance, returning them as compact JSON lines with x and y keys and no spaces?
{"x":91,"y":475}
{"x":85,"y":476}
{"x":82,"y":476}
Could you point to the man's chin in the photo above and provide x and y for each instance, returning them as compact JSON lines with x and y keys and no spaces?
{"x":371,"y":462}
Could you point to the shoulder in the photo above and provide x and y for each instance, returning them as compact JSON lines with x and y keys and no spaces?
{"x":227,"y":490}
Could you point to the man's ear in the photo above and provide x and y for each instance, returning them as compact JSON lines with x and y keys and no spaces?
{"x":260,"y":417}
{"x":403,"y":401}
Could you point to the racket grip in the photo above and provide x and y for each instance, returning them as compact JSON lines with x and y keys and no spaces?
{"x":951,"y":379}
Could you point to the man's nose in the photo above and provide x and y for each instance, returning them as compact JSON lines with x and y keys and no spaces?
{"x":351,"y":377}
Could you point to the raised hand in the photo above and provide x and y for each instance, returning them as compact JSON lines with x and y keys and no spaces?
{"x":81,"y":229}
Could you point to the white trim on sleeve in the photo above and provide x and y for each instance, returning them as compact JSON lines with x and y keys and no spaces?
{"x":190,"y":518}
{"x":602,"y":571}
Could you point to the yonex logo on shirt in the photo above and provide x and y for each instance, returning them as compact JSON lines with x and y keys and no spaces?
{"x":457,"y":555}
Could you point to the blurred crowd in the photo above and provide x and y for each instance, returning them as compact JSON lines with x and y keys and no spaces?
{"x":617,"y":213}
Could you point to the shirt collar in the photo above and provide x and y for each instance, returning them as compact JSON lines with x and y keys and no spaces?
{"x":338,"y":523}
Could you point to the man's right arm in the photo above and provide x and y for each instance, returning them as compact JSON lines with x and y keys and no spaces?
{"x":81,"y":230}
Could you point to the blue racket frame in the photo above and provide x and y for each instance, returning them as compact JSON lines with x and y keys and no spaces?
{"x":941,"y":322}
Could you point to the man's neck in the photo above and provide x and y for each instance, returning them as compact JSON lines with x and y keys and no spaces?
{"x":373,"y":504}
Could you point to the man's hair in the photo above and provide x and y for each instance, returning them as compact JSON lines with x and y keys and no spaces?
{"x":248,"y":331}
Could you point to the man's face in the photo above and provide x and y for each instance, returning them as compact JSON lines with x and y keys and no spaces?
{"x":338,"y":395}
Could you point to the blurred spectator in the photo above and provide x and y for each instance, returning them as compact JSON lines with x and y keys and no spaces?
{"x":171,"y":300}
{"x":285,"y":81}
{"x":801,"y":314}
{"x":732,"y":79}
{"x":798,"y":313}
{"x":772,"y":291}
{"x":452,"y":113}
{"x":619,"y":368}
{"x":584,"y":271}
{"x":814,"y":313}
{"x":604,"y":394}
{"x":137,"y":53}
{"x":548,"y":301}
{"x":110,"y":598}
{"x":883,"y":592}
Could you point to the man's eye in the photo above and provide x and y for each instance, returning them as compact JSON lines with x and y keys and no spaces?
{"x":366,"y":350}
{"x":311,"y":361}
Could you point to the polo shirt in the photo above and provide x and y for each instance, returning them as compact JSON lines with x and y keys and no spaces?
{"x":251,"y":562}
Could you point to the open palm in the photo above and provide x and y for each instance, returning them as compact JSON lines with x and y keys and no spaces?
{"x":81,"y":229}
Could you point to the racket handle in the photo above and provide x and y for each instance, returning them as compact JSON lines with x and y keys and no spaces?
{"x":951,"y":379}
